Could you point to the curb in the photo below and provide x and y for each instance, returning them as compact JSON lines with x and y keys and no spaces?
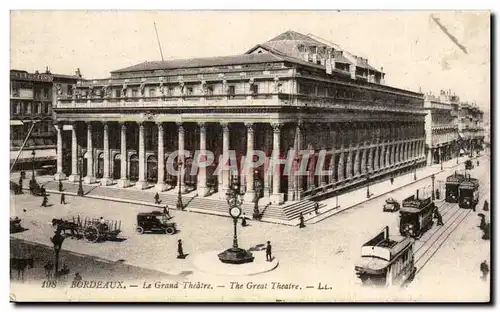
{"x":376,"y":196}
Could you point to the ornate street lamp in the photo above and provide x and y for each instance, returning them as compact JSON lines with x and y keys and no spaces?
{"x":433,"y":189}
{"x":257,"y":189}
{"x":180,"y":205}
{"x":235,"y":255}
{"x":80,"y":181}
{"x":57,"y":241}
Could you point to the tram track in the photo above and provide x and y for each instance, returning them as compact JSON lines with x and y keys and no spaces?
{"x":434,"y":242}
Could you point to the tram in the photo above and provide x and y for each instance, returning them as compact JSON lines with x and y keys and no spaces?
{"x":386,"y":260}
{"x":452,"y":183}
{"x":415,"y":217}
{"x":468,"y":193}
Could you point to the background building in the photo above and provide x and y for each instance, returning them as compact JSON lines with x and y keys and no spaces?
{"x":292,"y":92}
{"x":441,"y":126}
{"x":31,"y":101}
{"x":470,"y":127}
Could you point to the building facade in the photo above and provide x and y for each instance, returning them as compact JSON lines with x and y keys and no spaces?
{"x":441,"y":126}
{"x":470,"y":127}
{"x":31,"y":102}
{"x":292,"y":93}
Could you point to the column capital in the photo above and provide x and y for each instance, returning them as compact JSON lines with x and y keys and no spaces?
{"x":202,"y":125}
{"x":249,"y":126}
{"x":140,"y":124}
{"x":276,"y":126}
{"x":180,"y":127}
{"x":300,"y":125}
{"x":123,"y":126}
{"x":225,"y":126}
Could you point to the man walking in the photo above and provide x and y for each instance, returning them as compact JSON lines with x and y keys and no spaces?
{"x":438,"y":217}
{"x":301,"y":219}
{"x":269,"y":256}
{"x":316,"y":208}
{"x":157,"y":199}
{"x":63,"y":199}
{"x":392,"y":180}
{"x":180,"y":251}
{"x":45,"y":201}
{"x":60,"y":186}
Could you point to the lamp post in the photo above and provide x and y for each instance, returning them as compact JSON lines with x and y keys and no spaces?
{"x":80,"y":181}
{"x":33,"y":153}
{"x":180,"y":205}
{"x":57,"y":241}
{"x":235,"y":255}
{"x":257,"y":189}
{"x":368,"y":195}
{"x":433,"y":194}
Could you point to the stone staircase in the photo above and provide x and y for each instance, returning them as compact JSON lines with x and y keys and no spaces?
{"x":305,"y":207}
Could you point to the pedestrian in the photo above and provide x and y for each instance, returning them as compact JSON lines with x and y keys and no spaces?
{"x":165,"y":211}
{"x":180,"y":251}
{"x":486,"y":206}
{"x":484,"y":270}
{"x":157,"y":199}
{"x":45,"y":201}
{"x":392,"y":180}
{"x":478,"y":163}
{"x":63,"y":199}
{"x":244,"y":220}
{"x":438,"y":217}
{"x":301,"y":218}
{"x":316,"y":207}
{"x":78,"y":277}
{"x":438,"y":194}
{"x":60,"y":186}
{"x":269,"y":256}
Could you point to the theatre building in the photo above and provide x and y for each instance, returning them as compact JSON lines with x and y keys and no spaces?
{"x":292,"y":92}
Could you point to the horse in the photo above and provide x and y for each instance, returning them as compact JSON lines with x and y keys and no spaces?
{"x":64,"y":225}
{"x":20,"y":265}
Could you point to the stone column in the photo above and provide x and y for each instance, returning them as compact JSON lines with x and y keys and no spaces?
{"x":340,"y":168}
{"x":90,"y":178}
{"x":59,"y":174}
{"x":276,"y":196}
{"x":357,"y":161}
{"x":123,"y":182}
{"x":106,"y":180}
{"x":75,"y":176}
{"x":225,"y":159}
{"x":388,"y":154}
{"x":180,"y":182}
{"x":376,"y":156}
{"x":160,"y":184}
{"x":349,"y":164}
{"x":201,"y":188}
{"x":250,"y":187}
{"x":364,"y":164}
{"x":297,"y":177}
{"x":371,"y":159}
{"x":141,"y":183}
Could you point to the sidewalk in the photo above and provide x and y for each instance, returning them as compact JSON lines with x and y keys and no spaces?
{"x":332,"y":206}
{"x":328,"y":207}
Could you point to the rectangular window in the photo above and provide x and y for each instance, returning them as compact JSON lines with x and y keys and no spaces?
{"x":254,"y":89}
{"x":152,"y":92}
{"x":170,"y":91}
{"x":189,"y":91}
{"x":231,"y":90}
{"x":210,"y":90}
{"x":134,"y":92}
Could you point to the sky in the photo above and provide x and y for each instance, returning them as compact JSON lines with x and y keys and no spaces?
{"x":414,"y":51}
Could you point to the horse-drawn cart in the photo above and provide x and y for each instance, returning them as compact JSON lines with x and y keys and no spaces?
{"x":92,"y":229}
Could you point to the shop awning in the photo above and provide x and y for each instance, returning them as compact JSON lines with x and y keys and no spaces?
{"x":46,"y":154}
{"x":16,"y":123}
